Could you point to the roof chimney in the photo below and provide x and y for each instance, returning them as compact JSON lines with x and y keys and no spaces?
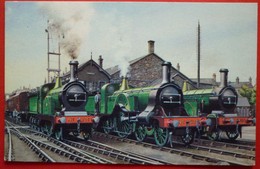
{"x":237,"y":80}
{"x":178,"y":66}
{"x":101,"y":61}
{"x":214,"y":76}
{"x":250,"y":80}
{"x":150,"y":46}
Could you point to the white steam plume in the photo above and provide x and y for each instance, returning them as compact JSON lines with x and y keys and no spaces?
{"x":122,"y":57}
{"x":71,"y":21}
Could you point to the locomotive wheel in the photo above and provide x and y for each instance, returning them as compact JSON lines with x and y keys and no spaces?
{"x":123,"y":127}
{"x":140,"y":132}
{"x":59,"y":133}
{"x":108,"y":125}
{"x":232,"y":135}
{"x":187,"y":139}
{"x":214,"y":135}
{"x":161,"y":136}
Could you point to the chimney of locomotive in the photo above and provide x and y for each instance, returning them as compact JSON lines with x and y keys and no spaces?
{"x":124,"y":84}
{"x":166,"y":72}
{"x":223,"y":77}
{"x":150,"y":46}
{"x":73,"y":70}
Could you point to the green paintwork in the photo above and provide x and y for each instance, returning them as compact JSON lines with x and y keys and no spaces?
{"x":51,"y":103}
{"x":192,"y":99}
{"x":90,"y":106}
{"x":33,"y":104}
{"x":199,"y":92}
{"x":46,"y":100}
{"x":111,"y":96}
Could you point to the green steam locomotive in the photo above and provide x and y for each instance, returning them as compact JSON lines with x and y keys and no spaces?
{"x":53,"y":108}
{"x":156,"y":111}
{"x":218,"y":106}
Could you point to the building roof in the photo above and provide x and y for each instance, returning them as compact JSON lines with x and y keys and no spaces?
{"x":113,"y":70}
{"x":204,"y":81}
{"x":242,"y":102}
{"x":240,"y":84}
{"x":90,"y":62}
{"x":211,"y":81}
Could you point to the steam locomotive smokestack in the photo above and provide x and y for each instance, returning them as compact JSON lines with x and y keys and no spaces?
{"x":223,"y":77}
{"x":124,"y":84}
{"x":73,"y":70}
{"x":166,"y":72}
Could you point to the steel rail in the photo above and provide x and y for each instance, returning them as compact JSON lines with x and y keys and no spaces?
{"x":117,"y":154}
{"x":69,"y":149}
{"x":80,"y":152}
{"x":45,"y":157}
{"x":223,"y":144}
{"x":212,"y":149}
{"x":97,"y":144}
{"x":173,"y":150}
{"x":244,"y":142}
{"x":65,"y":153}
{"x":9,"y":145}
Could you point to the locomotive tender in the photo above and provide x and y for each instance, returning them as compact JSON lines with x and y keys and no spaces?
{"x":217,"y":105}
{"x":57,"y":109}
{"x":156,"y":111}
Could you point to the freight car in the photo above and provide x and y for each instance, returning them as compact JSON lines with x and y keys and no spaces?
{"x":156,"y":111}
{"x":57,"y":109}
{"x":17,"y":105}
{"x":217,"y":105}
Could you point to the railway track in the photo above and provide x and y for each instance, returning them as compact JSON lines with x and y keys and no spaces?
{"x":208,"y":151}
{"x":91,"y":147}
{"x":244,"y":145}
{"x":212,"y":155}
{"x":131,"y":158}
{"x":45,"y":148}
{"x":41,"y":154}
{"x":10,"y":149}
{"x":84,"y":150}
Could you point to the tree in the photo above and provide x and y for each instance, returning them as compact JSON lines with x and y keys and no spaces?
{"x":249,"y":93}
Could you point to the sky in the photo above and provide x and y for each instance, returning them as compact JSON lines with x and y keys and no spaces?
{"x":120,"y":31}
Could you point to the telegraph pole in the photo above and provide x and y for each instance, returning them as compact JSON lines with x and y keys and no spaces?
{"x":49,"y":70}
{"x":198,"y":82}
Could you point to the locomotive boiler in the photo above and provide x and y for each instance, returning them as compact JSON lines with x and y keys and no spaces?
{"x":218,"y":106}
